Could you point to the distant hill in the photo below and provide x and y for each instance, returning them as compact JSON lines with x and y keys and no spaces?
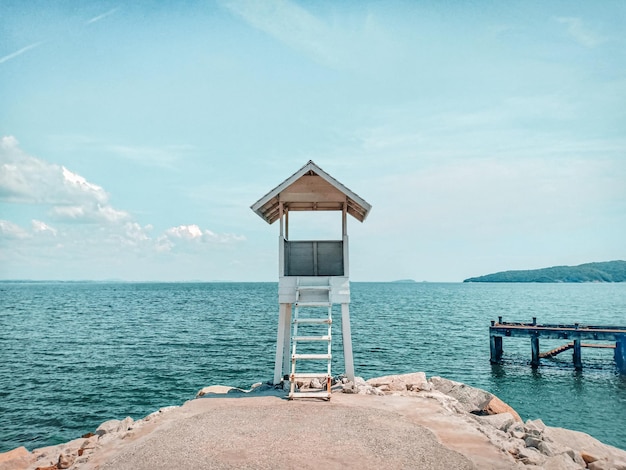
{"x":608,"y":271}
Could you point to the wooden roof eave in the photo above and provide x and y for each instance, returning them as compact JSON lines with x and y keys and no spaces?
{"x":267,"y":206}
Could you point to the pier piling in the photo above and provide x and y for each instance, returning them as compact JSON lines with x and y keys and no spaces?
{"x":534,"y":346}
{"x":575,"y":333}
{"x":496,"y":349}
{"x":620,"y":354}
{"x":578,"y":360}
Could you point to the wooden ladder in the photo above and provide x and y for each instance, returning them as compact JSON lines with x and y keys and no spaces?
{"x":315,"y":301}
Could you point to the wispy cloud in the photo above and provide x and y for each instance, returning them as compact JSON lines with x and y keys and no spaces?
{"x":102,"y":16}
{"x":288,"y":23}
{"x":580,"y":32}
{"x":20,"y":52}
{"x":325,"y":40}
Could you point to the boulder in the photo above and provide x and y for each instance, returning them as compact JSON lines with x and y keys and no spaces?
{"x":585,"y":444}
{"x":65,"y":461}
{"x":561,"y":462}
{"x":114,"y":426}
{"x":500,"y":421}
{"x":549,"y":449}
{"x":218,"y":390}
{"x":516,"y":430}
{"x":534,"y":427}
{"x":15,"y":459}
{"x":588,"y":458}
{"x":415,"y":382}
{"x":601,"y":464}
{"x":473,"y":400}
{"x":532,"y":441}
{"x":496,"y":406}
{"x":531,"y":456}
{"x":315,"y":383}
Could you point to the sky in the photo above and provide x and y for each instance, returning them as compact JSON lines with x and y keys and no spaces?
{"x":135,"y":136}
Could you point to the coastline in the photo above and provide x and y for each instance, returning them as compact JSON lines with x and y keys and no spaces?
{"x":402,"y":421}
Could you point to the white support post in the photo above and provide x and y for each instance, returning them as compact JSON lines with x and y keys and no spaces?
{"x":346,"y":336}
{"x":284,"y":336}
{"x":287,"y":340}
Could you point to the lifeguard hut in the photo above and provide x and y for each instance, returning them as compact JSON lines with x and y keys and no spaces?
{"x":313,"y":276}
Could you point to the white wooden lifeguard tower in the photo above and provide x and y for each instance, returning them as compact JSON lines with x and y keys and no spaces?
{"x":313,"y":275}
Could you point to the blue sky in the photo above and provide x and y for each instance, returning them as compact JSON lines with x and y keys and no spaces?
{"x":486,"y":135}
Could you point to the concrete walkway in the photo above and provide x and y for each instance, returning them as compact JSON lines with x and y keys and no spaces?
{"x":269,"y":432}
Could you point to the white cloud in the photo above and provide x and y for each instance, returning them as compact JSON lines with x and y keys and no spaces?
{"x":192,"y":235}
{"x":9,"y":230}
{"x":71,"y":198}
{"x":41,"y":227}
{"x":581,"y":33}
{"x":188,"y":232}
{"x":88,"y":231}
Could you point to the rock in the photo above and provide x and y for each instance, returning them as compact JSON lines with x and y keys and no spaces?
{"x":108,"y":427}
{"x":516,"y":430}
{"x":264,"y":387}
{"x":415,"y":382}
{"x":535,"y":427}
{"x":561,"y":462}
{"x":114,"y":426}
{"x":65,"y":461}
{"x":315,"y":383}
{"x":497,"y":406}
{"x":218,"y":390}
{"x":531,"y":456}
{"x":588,"y":458}
{"x":532,"y":441}
{"x":15,"y":459}
{"x":471,"y":399}
{"x":359,"y":381}
{"x":575,"y":456}
{"x":583,"y":442}
{"x":500,"y":421}
{"x":549,"y":449}
{"x":600,"y":465}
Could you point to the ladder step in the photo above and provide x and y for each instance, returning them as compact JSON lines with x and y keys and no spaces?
{"x":313,"y":357}
{"x":313,"y":304}
{"x":312,"y":338}
{"x":320,"y":394}
{"x":310,"y":375}
{"x":312,"y":320}
{"x":323,"y":288}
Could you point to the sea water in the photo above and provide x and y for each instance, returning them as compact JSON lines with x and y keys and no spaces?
{"x":73,"y":355}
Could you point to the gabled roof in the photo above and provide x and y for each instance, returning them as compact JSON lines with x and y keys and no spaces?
{"x":310,"y":189}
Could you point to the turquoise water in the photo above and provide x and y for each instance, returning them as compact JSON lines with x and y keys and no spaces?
{"x":73,"y":355}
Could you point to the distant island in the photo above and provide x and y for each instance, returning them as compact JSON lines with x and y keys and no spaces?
{"x":608,"y":271}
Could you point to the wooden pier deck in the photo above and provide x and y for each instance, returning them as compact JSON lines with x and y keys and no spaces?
{"x":576,"y":332}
